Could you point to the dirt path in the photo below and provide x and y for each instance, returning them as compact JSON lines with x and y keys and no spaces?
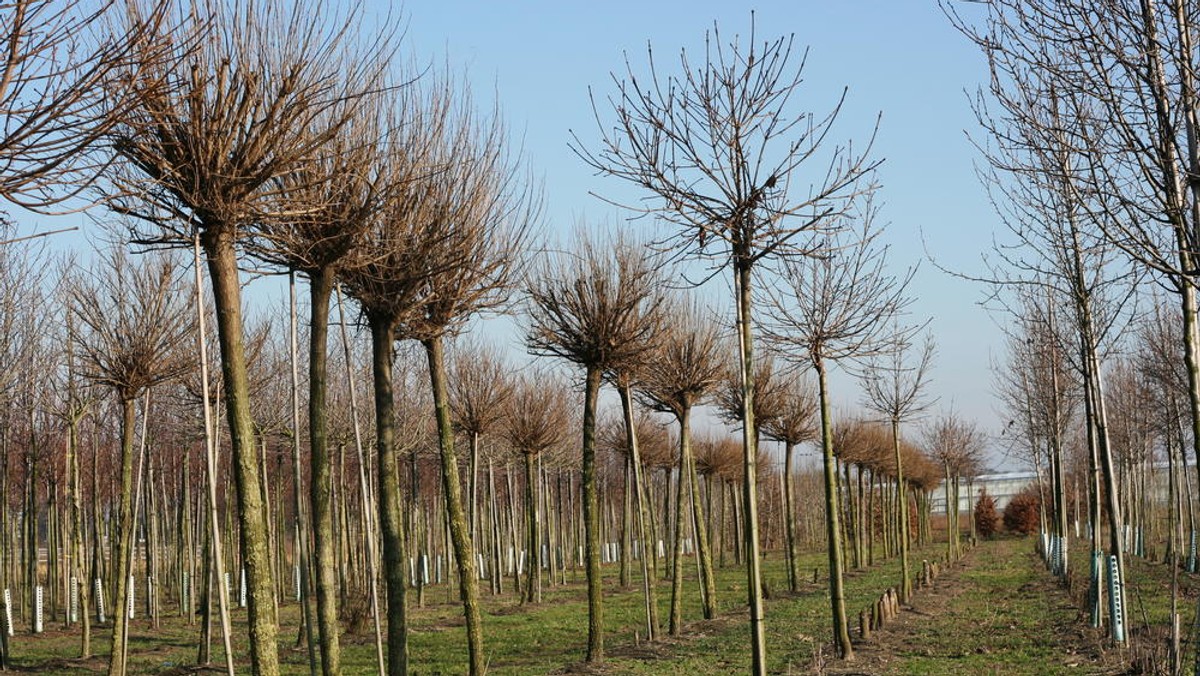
{"x":996,"y":612}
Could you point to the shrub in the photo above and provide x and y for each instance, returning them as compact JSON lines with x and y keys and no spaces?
{"x":987,"y":519}
{"x":1021,"y":513}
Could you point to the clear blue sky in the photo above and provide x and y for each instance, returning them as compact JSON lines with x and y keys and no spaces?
{"x":901,"y":59}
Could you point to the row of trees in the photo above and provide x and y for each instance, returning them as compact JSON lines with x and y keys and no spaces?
{"x":1090,"y":135}
{"x":294,"y":141}
{"x":504,"y":418}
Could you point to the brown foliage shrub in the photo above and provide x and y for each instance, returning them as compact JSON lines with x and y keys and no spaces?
{"x":1021,"y":513}
{"x":987,"y":519}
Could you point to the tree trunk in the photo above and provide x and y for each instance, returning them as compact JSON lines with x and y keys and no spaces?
{"x":837,"y":595}
{"x":320,"y":467}
{"x":758,"y":646}
{"x":533,"y":522}
{"x":707,"y":579}
{"x":591,"y":519}
{"x":789,"y":518}
{"x":642,"y":506}
{"x":902,"y":501}
{"x":464,"y":551}
{"x":263,"y":625}
{"x":391,"y":520}
{"x":121,"y":557}
{"x":302,"y":549}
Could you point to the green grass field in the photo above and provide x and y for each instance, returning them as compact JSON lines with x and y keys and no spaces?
{"x":991,"y":615}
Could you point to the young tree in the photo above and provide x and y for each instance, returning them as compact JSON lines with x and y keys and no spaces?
{"x":793,"y":426}
{"x":535,"y":421}
{"x":957,"y":445}
{"x":388,"y":276}
{"x":483,"y":212}
{"x":597,"y":308}
{"x":479,"y":392}
{"x":895,"y":390}
{"x":323,"y":209}
{"x":832,"y":308}
{"x":134,"y":320}
{"x":677,"y":376}
{"x":722,"y":149}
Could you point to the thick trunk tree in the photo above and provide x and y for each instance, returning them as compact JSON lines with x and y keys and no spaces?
{"x":263,"y":624}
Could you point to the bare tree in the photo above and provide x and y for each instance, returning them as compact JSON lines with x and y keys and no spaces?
{"x":896,"y":390}
{"x":596,"y":307}
{"x":680,"y":374}
{"x":833,"y":308}
{"x":794,"y":425}
{"x":256,"y":98}
{"x":388,"y":276}
{"x":323,"y":209}
{"x":134,"y":321}
{"x":535,"y":421}
{"x":479,"y":392}
{"x":958,"y":446}
{"x":722,"y":150}
{"x":483,"y":210}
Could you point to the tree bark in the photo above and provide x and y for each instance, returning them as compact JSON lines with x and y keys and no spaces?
{"x":591,"y":519}
{"x":121,"y":557}
{"x":464,"y":551}
{"x":321,"y":473}
{"x":222,"y":265}
{"x":391,"y":519}
{"x":837,"y":594}
{"x":758,"y":646}
{"x":789,"y":518}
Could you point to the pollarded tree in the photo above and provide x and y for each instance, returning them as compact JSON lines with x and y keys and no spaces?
{"x":250,"y":93}
{"x":388,"y":276}
{"x":794,"y":425}
{"x":482,"y":211}
{"x":832,"y":308}
{"x":596,"y":307}
{"x":896,"y":390}
{"x":323,"y":208}
{"x":479,"y":392}
{"x":724,"y":151}
{"x":681,"y":373}
{"x":535,"y":421}
{"x":134,"y":320}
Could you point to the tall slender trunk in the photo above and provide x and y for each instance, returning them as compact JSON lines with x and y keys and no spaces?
{"x":642,"y":505}
{"x":789,"y":518}
{"x":75,"y":504}
{"x":391,"y":519}
{"x":263,"y":624}
{"x":302,"y":548}
{"x":121,"y":557}
{"x":837,"y":594}
{"x":533,"y":522}
{"x":591,"y":519}
{"x":758,"y":646}
{"x":902,"y":505}
{"x":707,"y":578}
{"x":365,"y":497}
{"x":320,"y":467}
{"x":464,"y":550}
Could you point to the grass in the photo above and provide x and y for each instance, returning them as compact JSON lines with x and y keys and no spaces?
{"x":999,"y":614}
